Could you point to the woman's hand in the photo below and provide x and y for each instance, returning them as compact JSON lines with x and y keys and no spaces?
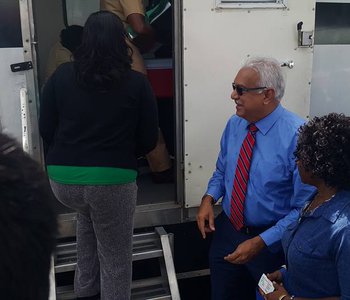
{"x":275,"y":276}
{"x":277,"y":294}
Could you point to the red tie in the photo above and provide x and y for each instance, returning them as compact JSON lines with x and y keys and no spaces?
{"x":240,"y":181}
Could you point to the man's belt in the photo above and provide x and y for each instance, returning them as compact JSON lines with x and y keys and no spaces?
{"x":252,"y":230}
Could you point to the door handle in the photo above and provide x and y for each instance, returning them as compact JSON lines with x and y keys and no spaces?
{"x":289,"y":64}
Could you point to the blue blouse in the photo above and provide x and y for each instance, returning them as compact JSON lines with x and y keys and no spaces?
{"x":317,"y":248}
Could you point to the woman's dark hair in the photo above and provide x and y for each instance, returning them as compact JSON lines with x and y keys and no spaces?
{"x":71,"y":37}
{"x":103,"y":56}
{"x":323,"y":149}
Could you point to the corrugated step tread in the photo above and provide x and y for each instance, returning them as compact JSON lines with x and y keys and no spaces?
{"x":145,"y":246}
{"x":148,"y":289}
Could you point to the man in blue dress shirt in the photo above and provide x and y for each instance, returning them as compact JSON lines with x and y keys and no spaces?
{"x":273,"y":193}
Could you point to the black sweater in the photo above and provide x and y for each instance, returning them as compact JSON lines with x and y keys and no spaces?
{"x":92,"y":128}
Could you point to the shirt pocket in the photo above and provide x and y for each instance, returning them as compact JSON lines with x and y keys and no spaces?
{"x":269,"y":176}
{"x":313,"y":248}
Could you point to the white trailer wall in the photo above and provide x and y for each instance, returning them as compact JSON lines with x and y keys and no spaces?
{"x":216,"y":41}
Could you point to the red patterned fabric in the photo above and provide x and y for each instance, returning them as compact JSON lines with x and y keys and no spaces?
{"x":240,"y":181}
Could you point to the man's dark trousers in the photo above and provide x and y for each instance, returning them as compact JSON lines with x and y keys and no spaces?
{"x":232,"y":281}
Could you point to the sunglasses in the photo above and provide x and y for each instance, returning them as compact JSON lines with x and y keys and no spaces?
{"x":240,"y":89}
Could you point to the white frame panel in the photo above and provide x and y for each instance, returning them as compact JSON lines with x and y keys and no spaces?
{"x":251,"y":4}
{"x":12,"y":83}
{"x":29,"y":53}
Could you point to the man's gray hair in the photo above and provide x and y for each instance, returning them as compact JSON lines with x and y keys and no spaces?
{"x":270,"y":74}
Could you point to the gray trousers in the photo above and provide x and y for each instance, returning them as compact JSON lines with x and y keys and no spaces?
{"x":104,"y":237}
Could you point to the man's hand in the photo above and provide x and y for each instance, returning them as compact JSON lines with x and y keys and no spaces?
{"x":246,"y":251}
{"x":205,"y":216}
{"x":145,"y":38}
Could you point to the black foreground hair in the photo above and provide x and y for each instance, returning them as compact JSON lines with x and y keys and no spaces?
{"x":27,"y":225}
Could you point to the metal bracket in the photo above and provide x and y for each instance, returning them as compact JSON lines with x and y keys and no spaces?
{"x":305,"y":38}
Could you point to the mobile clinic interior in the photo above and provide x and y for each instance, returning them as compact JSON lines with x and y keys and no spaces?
{"x":192,"y":82}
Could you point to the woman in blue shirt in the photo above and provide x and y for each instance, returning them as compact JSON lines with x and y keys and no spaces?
{"x":317,"y":246}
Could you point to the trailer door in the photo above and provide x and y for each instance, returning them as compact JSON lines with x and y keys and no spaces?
{"x":18,"y":100}
{"x":218,"y":36}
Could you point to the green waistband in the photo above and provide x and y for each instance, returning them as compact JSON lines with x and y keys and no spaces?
{"x":90,"y":175}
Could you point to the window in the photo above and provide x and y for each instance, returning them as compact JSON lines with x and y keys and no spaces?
{"x":251,"y":4}
{"x":332,"y":25}
{"x":77,"y":11}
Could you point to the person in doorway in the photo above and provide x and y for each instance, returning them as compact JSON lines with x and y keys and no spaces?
{"x":96,"y":116}
{"x":28,"y":225}
{"x":258,"y":179}
{"x":62,"y":51}
{"x":132,"y":13}
{"x":317,"y":245}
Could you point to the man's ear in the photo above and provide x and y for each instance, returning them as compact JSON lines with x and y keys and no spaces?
{"x":269,"y":96}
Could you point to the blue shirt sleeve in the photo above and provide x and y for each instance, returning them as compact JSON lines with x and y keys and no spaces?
{"x":343,"y":262}
{"x":301,"y":192}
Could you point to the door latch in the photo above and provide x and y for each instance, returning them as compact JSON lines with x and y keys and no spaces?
{"x":23,"y":66}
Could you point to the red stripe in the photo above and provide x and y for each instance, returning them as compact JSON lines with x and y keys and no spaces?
{"x":242,"y":189}
{"x":238,"y":214}
{"x":235,"y":225}
{"x":239,"y":190}
{"x":250,"y":140}
{"x":244,"y":155}
{"x":247,"y":150}
{"x":241,"y":182}
{"x":241,"y":179}
{"x":236,"y":197}
{"x":238,"y":224}
{"x":242,"y":169}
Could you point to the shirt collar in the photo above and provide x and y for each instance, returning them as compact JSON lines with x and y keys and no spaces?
{"x":265,"y":124}
{"x":333,"y":209}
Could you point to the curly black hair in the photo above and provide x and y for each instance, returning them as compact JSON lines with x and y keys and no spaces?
{"x":323,"y":148}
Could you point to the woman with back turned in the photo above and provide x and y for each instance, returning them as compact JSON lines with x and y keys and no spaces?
{"x":96,"y":116}
{"x":317,"y":246}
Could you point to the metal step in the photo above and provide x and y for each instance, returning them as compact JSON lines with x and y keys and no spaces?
{"x":145,"y":246}
{"x":157,"y":244}
{"x":145,"y":289}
